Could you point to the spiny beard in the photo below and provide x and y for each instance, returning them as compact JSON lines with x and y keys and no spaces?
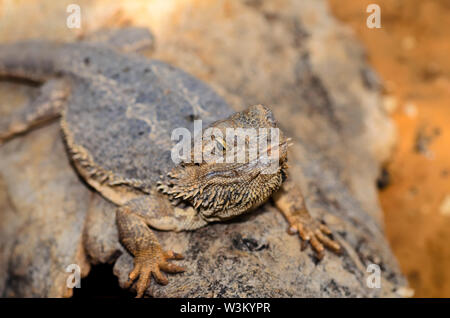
{"x":216,"y":199}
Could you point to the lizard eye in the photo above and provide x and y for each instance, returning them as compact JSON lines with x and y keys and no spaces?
{"x":221,"y":145}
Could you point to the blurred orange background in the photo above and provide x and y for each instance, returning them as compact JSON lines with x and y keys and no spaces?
{"x":411,"y":54}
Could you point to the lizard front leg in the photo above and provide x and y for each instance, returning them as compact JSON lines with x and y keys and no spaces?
{"x":289,"y":200}
{"x":133,"y":221}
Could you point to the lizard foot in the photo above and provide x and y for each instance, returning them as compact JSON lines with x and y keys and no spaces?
{"x":152,"y":262}
{"x":291,"y":203}
{"x":314,"y":232}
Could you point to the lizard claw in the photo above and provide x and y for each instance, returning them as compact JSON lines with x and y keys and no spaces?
{"x":315,"y":233}
{"x":151,"y":263}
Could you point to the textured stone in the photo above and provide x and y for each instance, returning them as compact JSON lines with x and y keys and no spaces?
{"x":43,"y":209}
{"x":289,"y":55}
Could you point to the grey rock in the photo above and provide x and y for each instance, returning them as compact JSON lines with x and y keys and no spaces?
{"x":43,"y":211}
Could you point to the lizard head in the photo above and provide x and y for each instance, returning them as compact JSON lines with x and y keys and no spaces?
{"x":243,"y":161}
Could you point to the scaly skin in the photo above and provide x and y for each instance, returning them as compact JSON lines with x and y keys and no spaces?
{"x":289,"y":200}
{"x":187,"y":196}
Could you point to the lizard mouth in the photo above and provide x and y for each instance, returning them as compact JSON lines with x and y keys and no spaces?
{"x":274,"y":157}
{"x":223,"y":190}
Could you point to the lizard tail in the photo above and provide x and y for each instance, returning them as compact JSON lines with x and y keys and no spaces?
{"x":31,"y":59}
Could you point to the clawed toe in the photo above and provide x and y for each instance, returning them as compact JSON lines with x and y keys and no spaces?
{"x":329,"y":243}
{"x":316,"y":235}
{"x":150,"y":265}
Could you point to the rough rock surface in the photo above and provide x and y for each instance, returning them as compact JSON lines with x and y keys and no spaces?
{"x":42,"y":214}
{"x":289,"y":55}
